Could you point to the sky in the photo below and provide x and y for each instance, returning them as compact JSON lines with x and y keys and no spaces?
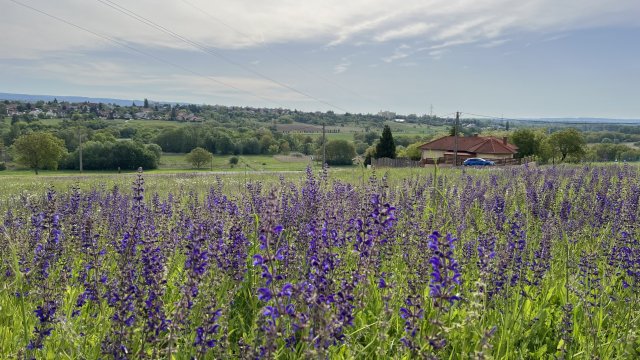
{"x":494,"y":58}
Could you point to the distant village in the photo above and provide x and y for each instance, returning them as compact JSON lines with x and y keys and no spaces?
{"x":63,"y":109}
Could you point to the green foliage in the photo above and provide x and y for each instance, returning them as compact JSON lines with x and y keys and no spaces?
{"x":126,"y":155}
{"x":527,"y":141}
{"x":453,"y":131}
{"x":368,"y":137}
{"x":251,"y":146}
{"x":613,"y":152}
{"x":386,"y":147}
{"x":39,"y":150}
{"x":339,"y":152}
{"x":569,"y":142}
{"x":412,"y":151}
{"x":233,"y":160}
{"x":199,"y":157}
{"x":103,"y":136}
{"x":560,"y":303}
{"x":155,"y":149}
{"x":178,"y":140}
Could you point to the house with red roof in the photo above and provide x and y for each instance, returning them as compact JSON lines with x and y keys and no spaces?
{"x":487,"y":147}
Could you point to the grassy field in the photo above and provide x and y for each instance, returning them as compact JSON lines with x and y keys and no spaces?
{"x":245,"y":163}
{"x":347,"y":131}
{"x":504,"y":263}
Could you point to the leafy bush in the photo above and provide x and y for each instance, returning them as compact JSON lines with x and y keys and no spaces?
{"x":338,"y":152}
{"x":126,"y":155}
{"x":199,"y":157}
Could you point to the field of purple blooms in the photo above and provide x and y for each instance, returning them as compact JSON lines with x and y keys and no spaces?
{"x":537,"y":263}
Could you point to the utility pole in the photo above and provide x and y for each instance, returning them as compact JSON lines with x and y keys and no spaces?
{"x":455,"y":135}
{"x":324,"y":153}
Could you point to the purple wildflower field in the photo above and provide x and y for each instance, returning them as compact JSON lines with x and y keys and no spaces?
{"x":538,"y":263}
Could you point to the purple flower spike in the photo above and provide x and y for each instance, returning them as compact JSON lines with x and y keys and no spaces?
{"x":264,"y":294}
{"x":287,"y":290}
{"x":258,"y":260}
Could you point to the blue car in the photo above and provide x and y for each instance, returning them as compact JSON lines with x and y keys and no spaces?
{"x":477,"y":162}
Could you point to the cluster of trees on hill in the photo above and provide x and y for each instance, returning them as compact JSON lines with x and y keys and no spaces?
{"x":126,"y":145}
{"x":123,"y":155}
{"x":226,"y":141}
{"x":569,"y":145}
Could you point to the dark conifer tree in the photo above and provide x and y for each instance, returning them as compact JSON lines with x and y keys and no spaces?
{"x":386,"y":147}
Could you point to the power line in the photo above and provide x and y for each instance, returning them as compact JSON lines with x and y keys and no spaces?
{"x":123,"y":44}
{"x":247,"y":36}
{"x":207,"y":50}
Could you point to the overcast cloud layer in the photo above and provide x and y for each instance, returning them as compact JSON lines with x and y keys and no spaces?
{"x":326,"y":53}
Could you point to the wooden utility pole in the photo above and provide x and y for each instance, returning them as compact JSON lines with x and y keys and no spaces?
{"x":455,"y":135}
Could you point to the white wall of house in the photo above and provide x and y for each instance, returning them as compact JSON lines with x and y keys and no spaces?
{"x":432,"y":154}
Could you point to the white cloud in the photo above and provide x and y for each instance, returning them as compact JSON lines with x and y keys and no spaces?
{"x":342,"y":67}
{"x":404,"y":32}
{"x":494,"y":43}
{"x":400,"y":52}
{"x":116,"y":80}
{"x":248,"y":23}
{"x":437,"y":54}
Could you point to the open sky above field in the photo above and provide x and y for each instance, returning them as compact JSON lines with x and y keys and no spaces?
{"x":538,"y":58}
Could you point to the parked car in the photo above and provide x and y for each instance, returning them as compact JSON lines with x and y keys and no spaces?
{"x":477,"y":162}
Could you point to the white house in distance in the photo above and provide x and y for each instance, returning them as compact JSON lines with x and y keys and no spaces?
{"x":443,"y":149}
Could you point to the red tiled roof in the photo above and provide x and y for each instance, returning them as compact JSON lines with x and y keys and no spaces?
{"x":473,"y":144}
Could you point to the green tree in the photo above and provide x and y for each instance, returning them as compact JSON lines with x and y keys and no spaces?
{"x":199,"y":157}
{"x":225,"y":144}
{"x":126,"y":155}
{"x":39,"y":150}
{"x":146,"y":103}
{"x":413,"y":151}
{"x":386,"y":147}
{"x":339,"y":152}
{"x":251,"y":146}
{"x":527,"y":141}
{"x":174,"y":113}
{"x":569,"y":142}
{"x":3,"y":152}
{"x":155,"y":149}
{"x":454,"y":130}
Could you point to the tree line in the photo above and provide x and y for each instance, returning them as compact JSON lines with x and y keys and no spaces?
{"x":569,"y":145}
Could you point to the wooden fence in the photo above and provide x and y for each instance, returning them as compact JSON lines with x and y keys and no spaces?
{"x":387,"y":162}
{"x":498,"y":162}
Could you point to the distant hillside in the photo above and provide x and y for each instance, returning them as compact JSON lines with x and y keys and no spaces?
{"x":72,"y":99}
{"x":586,"y":120}
{"x":128,"y":102}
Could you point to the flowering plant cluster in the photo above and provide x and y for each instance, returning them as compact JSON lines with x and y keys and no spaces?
{"x":509,"y":263}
